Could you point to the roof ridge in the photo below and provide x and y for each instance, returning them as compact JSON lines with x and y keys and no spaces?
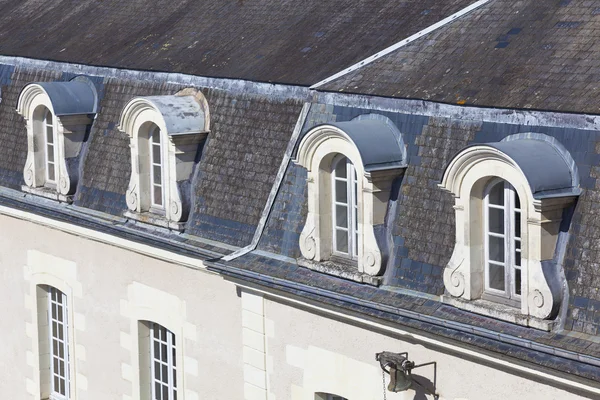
{"x":402,"y":43}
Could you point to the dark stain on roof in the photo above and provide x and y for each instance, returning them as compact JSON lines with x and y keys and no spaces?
{"x":284,"y":41}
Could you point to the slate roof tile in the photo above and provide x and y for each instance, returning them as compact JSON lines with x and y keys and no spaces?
{"x":526,"y":54}
{"x":285,"y":41}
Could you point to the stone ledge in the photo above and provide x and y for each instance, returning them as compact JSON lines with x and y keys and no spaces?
{"x":47,"y":192}
{"x":155,"y":219}
{"x":349,"y":272}
{"x":498,"y":311}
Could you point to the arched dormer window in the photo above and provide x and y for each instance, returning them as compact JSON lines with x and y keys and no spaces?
{"x":502,"y":216}
{"x":156,"y":167}
{"x":344,"y":186}
{"x":47,"y":127}
{"x":165,"y":133}
{"x":509,"y":201}
{"x":58,"y":116}
{"x":351,"y":167}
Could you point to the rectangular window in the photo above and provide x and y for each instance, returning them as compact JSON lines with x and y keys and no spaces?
{"x":163,"y":368}
{"x":58,"y":326}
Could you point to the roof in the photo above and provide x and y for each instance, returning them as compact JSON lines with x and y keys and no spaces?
{"x":248,"y":137}
{"x":512,"y":54}
{"x":284,"y":41}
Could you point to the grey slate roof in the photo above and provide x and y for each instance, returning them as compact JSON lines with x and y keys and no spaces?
{"x":13,"y":134}
{"x":422,"y":225}
{"x":235,"y":173}
{"x":527,"y":54}
{"x":285,"y":41}
{"x":556,"y":351}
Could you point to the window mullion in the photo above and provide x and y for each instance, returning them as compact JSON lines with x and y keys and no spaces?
{"x":512,"y":247}
{"x":51,"y":338}
{"x":171,"y":384}
{"x":65,"y":344}
{"x":508,"y":242}
{"x":350,"y":208}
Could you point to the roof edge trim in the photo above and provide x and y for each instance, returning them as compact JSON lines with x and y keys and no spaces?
{"x":402,"y":43}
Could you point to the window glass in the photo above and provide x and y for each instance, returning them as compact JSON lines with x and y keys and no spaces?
{"x":49,"y":147}
{"x":345,"y":207}
{"x":503,"y":240}
{"x":59,"y":350}
{"x":156,"y":171}
{"x":163,"y":363}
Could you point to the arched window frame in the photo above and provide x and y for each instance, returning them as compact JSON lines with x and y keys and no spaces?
{"x":351,"y":204}
{"x":467,"y":177}
{"x":44,"y":273}
{"x":511,"y":262}
{"x":76,"y":103}
{"x":317,"y":152}
{"x":179,"y":141}
{"x":50,"y":148}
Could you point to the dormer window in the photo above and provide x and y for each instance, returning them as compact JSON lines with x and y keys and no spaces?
{"x":503,"y":242}
{"x":58,"y":117}
{"x":48,"y":128}
{"x":509,"y":201}
{"x":156,"y":168}
{"x":165,"y":134}
{"x":345,"y":213}
{"x":351,"y":167}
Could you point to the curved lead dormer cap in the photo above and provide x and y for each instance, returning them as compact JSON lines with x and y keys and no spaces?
{"x":76,"y":97}
{"x":547,"y":166}
{"x":378,"y":142}
{"x":182,"y":114}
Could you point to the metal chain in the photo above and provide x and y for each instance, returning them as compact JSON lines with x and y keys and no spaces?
{"x":384,"y":388}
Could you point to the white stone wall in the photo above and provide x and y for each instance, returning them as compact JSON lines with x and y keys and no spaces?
{"x":231,"y":345}
{"x":311,"y":353}
{"x":109,"y":287}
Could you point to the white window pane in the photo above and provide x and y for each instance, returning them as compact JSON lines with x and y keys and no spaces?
{"x":157,"y":175}
{"x":341,"y":192}
{"x":496,"y":195}
{"x":518,"y":282}
{"x":341,"y":216}
{"x":156,"y":135}
{"x":517,"y":200}
{"x":496,"y":276}
{"x":340,"y":168}
{"x":49,"y":136}
{"x":156,"y":154}
{"x":496,"y":248}
{"x":158,"y":195}
{"x":341,"y":241}
{"x":496,"y":220}
{"x":51,"y":175}
{"x":517,"y":224}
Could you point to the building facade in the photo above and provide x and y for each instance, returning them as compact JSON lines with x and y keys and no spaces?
{"x":224,"y":230}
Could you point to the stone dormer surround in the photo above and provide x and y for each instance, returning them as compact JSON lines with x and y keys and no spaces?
{"x":73,"y":106}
